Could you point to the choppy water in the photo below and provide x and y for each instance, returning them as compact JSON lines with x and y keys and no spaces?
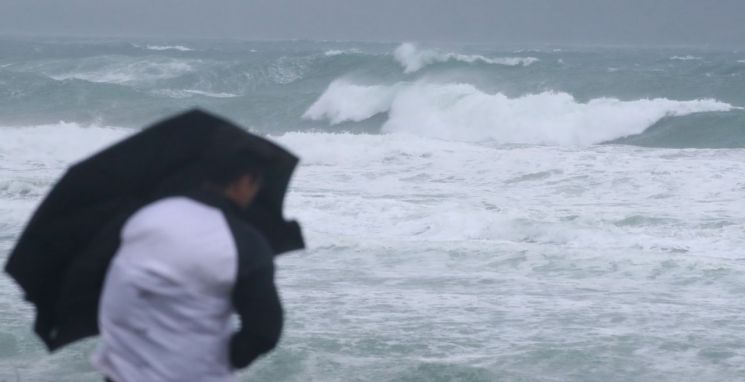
{"x":465,"y":221}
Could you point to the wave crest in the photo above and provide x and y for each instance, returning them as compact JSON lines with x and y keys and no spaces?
{"x":344,"y":101}
{"x":115,"y":70}
{"x":179,"y":48}
{"x":340,"y":52}
{"x":462,"y":112}
{"x":187,"y":93}
{"x":414,"y":59}
{"x":685,"y":58}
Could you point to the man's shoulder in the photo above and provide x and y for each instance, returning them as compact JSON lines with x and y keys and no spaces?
{"x":172,"y":214}
{"x":173,"y":208}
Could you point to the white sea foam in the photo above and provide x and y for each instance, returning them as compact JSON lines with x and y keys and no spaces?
{"x":685,"y":58}
{"x":339,"y":52}
{"x":179,"y":48}
{"x":426,"y":175}
{"x":33,"y":156}
{"x":344,"y":101}
{"x":463,"y":112}
{"x":436,"y":258}
{"x":50,"y":144}
{"x":413,"y":58}
{"x":187,"y":93}
{"x":287,"y":70}
{"x":124,"y":70}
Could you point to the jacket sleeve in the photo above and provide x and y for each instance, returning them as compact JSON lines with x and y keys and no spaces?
{"x":256,"y":301}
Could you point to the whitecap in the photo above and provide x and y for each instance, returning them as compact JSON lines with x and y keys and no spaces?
{"x":462,"y":112}
{"x":414,"y":59}
{"x":339,"y":52}
{"x":33,"y":156}
{"x":179,"y":48}
{"x":186,"y":93}
{"x":127,"y":71}
{"x":344,"y":101}
{"x":685,"y":58}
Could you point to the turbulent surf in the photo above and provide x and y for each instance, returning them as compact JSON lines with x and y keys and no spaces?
{"x":473,"y":212}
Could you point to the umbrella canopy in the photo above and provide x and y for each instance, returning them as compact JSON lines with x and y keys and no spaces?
{"x":62,"y":256}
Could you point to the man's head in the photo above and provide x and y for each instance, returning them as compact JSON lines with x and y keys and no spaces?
{"x":235,"y":174}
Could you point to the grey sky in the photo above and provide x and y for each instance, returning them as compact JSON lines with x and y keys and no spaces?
{"x":708,"y":22}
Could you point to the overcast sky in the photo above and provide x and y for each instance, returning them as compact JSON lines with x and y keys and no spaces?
{"x":696,"y":22}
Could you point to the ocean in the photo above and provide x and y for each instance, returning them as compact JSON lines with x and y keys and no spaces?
{"x":472,"y":212}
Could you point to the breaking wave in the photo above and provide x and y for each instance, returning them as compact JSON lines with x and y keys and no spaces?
{"x":344,"y":101}
{"x":120,"y":71}
{"x":187,"y":93}
{"x":463,"y":93}
{"x":414,"y":59}
{"x":463,"y":112}
{"x":179,"y":48}
{"x":685,"y":58}
{"x":339,"y":52}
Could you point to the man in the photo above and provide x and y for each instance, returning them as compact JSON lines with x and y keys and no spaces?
{"x":185,"y":265}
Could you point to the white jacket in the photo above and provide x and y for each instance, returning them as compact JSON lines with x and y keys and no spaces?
{"x":184,"y":266}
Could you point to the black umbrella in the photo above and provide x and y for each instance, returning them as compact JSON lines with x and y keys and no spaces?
{"x":62,"y":256}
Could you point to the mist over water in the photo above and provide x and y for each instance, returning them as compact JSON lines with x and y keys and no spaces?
{"x":473,"y":213}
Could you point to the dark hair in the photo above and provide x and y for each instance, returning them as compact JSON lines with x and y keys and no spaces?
{"x":223,"y":168}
